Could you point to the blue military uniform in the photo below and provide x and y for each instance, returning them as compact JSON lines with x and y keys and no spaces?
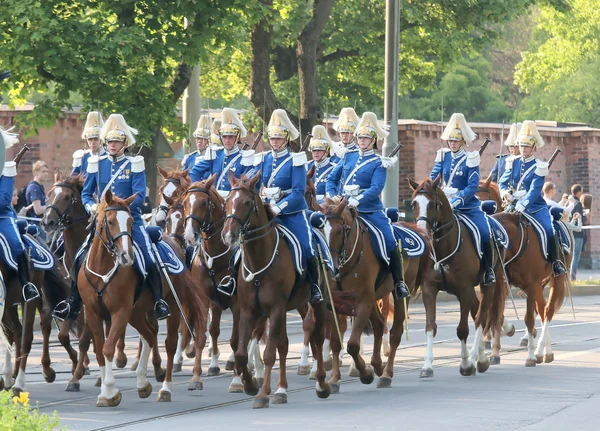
{"x":189,"y":160}
{"x":81,"y":158}
{"x":221,"y":161}
{"x":130,"y":179}
{"x":461,"y":176}
{"x":322,"y":171}
{"x":525,"y":179}
{"x":350,"y":155}
{"x":499,"y":167}
{"x":10,"y":239}
{"x":284,"y":178}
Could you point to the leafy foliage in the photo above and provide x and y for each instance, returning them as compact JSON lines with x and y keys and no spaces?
{"x":16,"y":414}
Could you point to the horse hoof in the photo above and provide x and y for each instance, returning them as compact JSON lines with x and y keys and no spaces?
{"x":303,"y":370}
{"x":426,"y":373}
{"x":72,"y":387}
{"x":177,"y":367}
{"x":51,"y":376}
{"x":511,"y":332}
{"x":487,"y":345}
{"x":163,"y":396}
{"x":384,"y":383}
{"x":161,"y":376}
{"x":469,"y":371}
{"x":135,"y":365}
{"x":190,"y":354}
{"x":328,"y":364}
{"x":368,"y":379}
{"x":524,"y":342}
{"x":86,"y":371}
{"x":252,"y":388}
{"x":229,"y":365}
{"x":236,"y":388}
{"x":312,"y":376}
{"x":213,"y":371}
{"x":196,"y":386}
{"x":98,"y":382}
{"x":145,"y":391}
{"x":549,"y":358}
{"x":261,"y":403}
{"x":17,"y":391}
{"x":260,"y":381}
{"x":109,"y":402}
{"x":335,"y":388}
{"x":121,"y":363}
{"x":323,"y":393}
{"x":539,"y":359}
{"x":353,"y":372}
{"x":482,"y":367}
{"x":494,"y":360}
{"x":279,"y":398}
{"x":534,"y":332}
{"x":530,"y":362}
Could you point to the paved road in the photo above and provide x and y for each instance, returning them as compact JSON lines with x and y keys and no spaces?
{"x":508,"y":397}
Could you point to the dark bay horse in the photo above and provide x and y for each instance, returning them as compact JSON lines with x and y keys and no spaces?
{"x":108,"y":283}
{"x":204,"y":210}
{"x":268,"y":286}
{"x":529,"y":270}
{"x":455,"y":268}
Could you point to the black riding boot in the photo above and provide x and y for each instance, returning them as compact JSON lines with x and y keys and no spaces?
{"x":397,"y":268}
{"x":558,"y":267}
{"x":161,"y":308}
{"x":228,"y":285}
{"x":30,"y":292}
{"x":312,"y":271}
{"x":70,"y":308}
{"x":489,"y":277}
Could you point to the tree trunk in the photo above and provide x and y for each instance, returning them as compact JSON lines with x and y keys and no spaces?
{"x":306,"y":53}
{"x":151,"y":171}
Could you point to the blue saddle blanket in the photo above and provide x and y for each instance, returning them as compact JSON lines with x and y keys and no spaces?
{"x":560,"y":229}
{"x":563,"y":235}
{"x":498,"y":232}
{"x":412,"y":243}
{"x":40,"y":256}
{"x":473,"y":231}
{"x":172,"y":263}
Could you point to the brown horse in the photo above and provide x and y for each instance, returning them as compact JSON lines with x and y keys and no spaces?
{"x":455,"y":268}
{"x":529,"y":270}
{"x":175,"y":183}
{"x":108,"y":284}
{"x":65,"y":214}
{"x":268,"y":286}
{"x":204,"y":212}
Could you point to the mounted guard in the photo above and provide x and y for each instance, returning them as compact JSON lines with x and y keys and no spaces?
{"x":13,"y":249}
{"x":513,"y":152}
{"x":521,"y":187}
{"x":202,"y":136}
{"x":459,"y":170}
{"x":362,"y":175}
{"x":227,"y":158}
{"x":91,"y":134}
{"x":323,"y":161}
{"x":124,"y":176}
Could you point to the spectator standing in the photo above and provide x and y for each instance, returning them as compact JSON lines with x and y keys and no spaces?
{"x":36,"y":195}
{"x":549,"y":191}
{"x":576,"y":192}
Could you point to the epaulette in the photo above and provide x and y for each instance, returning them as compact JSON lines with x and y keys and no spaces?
{"x":10,"y":169}
{"x":247,"y":157}
{"x":541,"y":168}
{"x":440,"y":154}
{"x":137,"y":164}
{"x":473,"y":159}
{"x":299,"y":159}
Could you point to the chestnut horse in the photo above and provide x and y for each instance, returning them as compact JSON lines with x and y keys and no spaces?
{"x":204,"y":210}
{"x":455,"y":268}
{"x":529,"y":270}
{"x":175,"y":183}
{"x":268,"y":286}
{"x":109,"y":286}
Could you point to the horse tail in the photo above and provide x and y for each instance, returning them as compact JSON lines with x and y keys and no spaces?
{"x":56,"y":288}
{"x":195,"y":307}
{"x":558,"y":288}
{"x":496,"y":312}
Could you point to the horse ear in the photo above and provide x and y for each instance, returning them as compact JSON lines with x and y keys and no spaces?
{"x":108,"y":197}
{"x":255,"y":179}
{"x":58,"y":176}
{"x":342,"y":206}
{"x":488,"y":180}
{"x":211,"y":180}
{"x":163,"y":173}
{"x":311,"y":172}
{"x":233,"y":181}
{"x":130,"y":199}
{"x":186,"y":173}
{"x":168,"y":200}
{"x":412,"y":183}
{"x":437,"y":180}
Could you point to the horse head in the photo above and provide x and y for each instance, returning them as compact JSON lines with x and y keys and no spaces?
{"x":430,"y":204}
{"x":174,"y":185}
{"x":203,"y":209}
{"x":489,"y":191}
{"x":175,"y":220}
{"x":65,"y":202}
{"x":243,"y":207}
{"x":340,"y":229}
{"x":114,"y":226}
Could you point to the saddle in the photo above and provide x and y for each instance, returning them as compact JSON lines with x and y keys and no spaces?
{"x":166,"y":253}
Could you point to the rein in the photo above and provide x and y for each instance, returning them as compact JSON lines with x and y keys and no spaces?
{"x":64,"y":222}
{"x":342,"y":251}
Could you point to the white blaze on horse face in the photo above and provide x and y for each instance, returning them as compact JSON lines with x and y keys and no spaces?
{"x":228,"y":236}
{"x":168,"y":192}
{"x":327,"y":231}
{"x":122,"y":218}
{"x":189,"y":230}
{"x":174,"y":221}
{"x":423,"y":202}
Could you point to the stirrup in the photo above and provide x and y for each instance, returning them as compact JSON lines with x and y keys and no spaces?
{"x":30,"y":292}
{"x":227,"y":286}
{"x":161,"y":309}
{"x":489,"y":277}
{"x":558,"y":268}
{"x":401,"y":290}
{"x":62,"y":311}
{"x":315,"y":294}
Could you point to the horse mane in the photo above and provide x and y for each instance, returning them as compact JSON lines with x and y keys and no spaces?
{"x":211,"y":190}
{"x":426,"y":187}
{"x":77,"y":181}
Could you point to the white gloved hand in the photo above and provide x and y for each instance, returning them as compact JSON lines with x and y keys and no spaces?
{"x":94,"y":209}
{"x":353,"y":203}
{"x":276,"y":210}
{"x":520,"y":207}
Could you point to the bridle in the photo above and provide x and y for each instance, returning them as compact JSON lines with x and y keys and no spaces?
{"x":175,"y":235}
{"x":64,"y":220}
{"x":207,"y":222}
{"x":347,"y":230}
{"x":177,"y":182}
{"x":245,"y":230}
